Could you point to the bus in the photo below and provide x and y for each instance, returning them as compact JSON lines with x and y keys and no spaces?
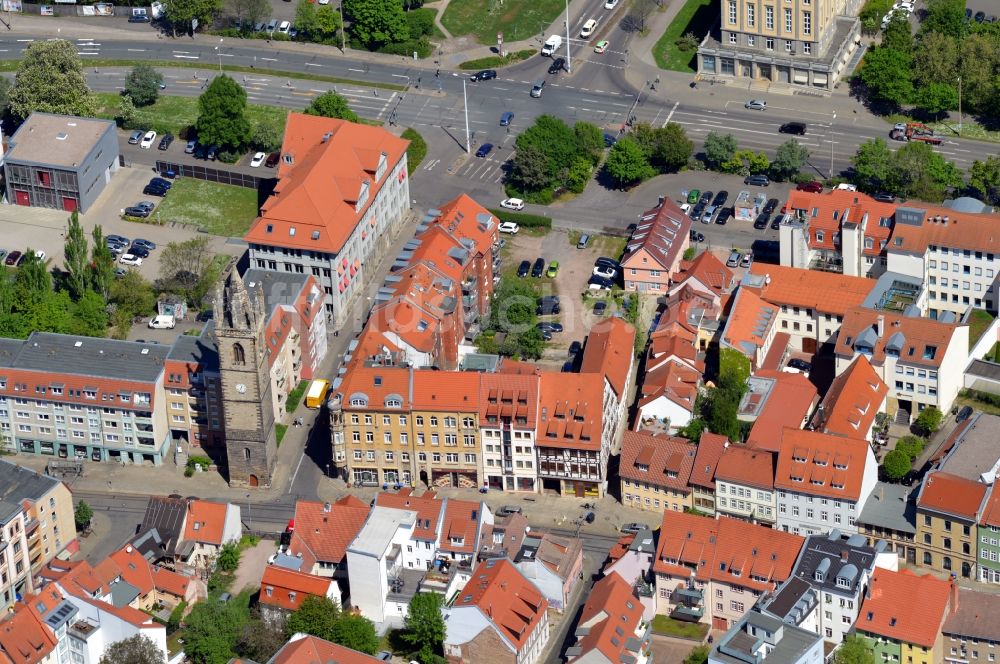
{"x":317,"y":393}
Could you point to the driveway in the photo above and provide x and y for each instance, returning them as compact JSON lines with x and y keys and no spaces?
{"x":252,"y":563}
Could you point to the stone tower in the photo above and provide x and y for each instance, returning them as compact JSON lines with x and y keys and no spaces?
{"x":251,"y":445}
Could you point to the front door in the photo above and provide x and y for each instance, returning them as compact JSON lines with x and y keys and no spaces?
{"x":22,"y":198}
{"x":809,"y":346}
{"x":69,"y":203}
{"x":254,"y":482}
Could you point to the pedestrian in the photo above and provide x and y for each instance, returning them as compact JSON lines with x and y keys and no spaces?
{"x":375,"y":91}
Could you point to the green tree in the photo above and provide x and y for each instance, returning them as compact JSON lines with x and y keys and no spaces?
{"x":896,"y":465}
{"x":698,"y":655}
{"x":898,"y":35}
{"x":305,"y":17}
{"x":82,"y":514}
{"x":935,"y":59}
{"x":872,"y":165}
{"x":327,"y":23}
{"x":75,"y":257}
{"x":984,"y":178}
{"x":261,"y":637}
{"x":937,"y":98}
{"x":267,"y":134}
{"x":330,"y":104}
{"x":316,"y":616}
{"x":854,"y":650}
{"x":249,"y":12}
{"x":356,"y":632}
{"x":213,"y":630}
{"x":126,"y":111}
{"x":886,"y":74}
{"x":182,"y":13}
{"x":530,"y":344}
{"x":50,"y":79}
{"x":672,"y":149}
{"x":589,"y":140}
{"x":137,"y":649}
{"x":626,"y":164}
{"x":102,"y":264}
{"x":693,"y":429}
{"x":745,"y":162}
{"x":528,"y":171}
{"x":5,"y":87}
{"x":734,"y":369}
{"x":789,"y":159}
{"x":910,"y":445}
{"x":229,"y":557}
{"x":424,"y":627}
{"x":946,"y":17}
{"x":89,"y":315}
{"x":555,"y":140}
{"x":579,"y":174}
{"x":719,"y":148}
{"x":143,"y":84}
{"x":375,"y":23}
{"x":32,"y":279}
{"x":929,"y":420}
{"x":979,"y":59}
{"x":920,"y":171}
{"x":186,"y":268}
{"x":222,"y":114}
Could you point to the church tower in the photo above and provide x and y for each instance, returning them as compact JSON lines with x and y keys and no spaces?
{"x":251,"y":445}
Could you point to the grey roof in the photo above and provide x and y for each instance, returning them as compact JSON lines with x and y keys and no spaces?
{"x":58,"y":140}
{"x":166,"y":515}
{"x":288,"y":562}
{"x":201,"y":349}
{"x":644,"y":541}
{"x":150,"y":545}
{"x":976,"y":616}
{"x":967,"y":204}
{"x":789,"y":643}
{"x":791,"y":601}
{"x":88,"y":356}
{"x":18,"y":483}
{"x":974,"y":455}
{"x":839,"y":558}
{"x":890,"y":506}
{"x":984,"y":369}
{"x":278,"y":287}
{"x":382,"y":523}
{"x":122,"y":593}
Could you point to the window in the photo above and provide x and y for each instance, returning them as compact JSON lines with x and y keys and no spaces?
{"x":736,"y":606}
{"x":751,"y":14}
{"x":807,"y":48}
{"x":769,"y":17}
{"x":807,"y":23}
{"x":239,"y":356}
{"x":732,"y":12}
{"x":788,"y":20}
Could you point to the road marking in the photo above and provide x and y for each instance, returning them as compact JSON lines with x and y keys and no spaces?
{"x":136,"y":50}
{"x":182,"y":51}
{"x":313,"y":64}
{"x":360,"y":70}
{"x":400,"y":76}
{"x":225,"y":55}
{"x":269,"y":59}
{"x":187,"y":57}
{"x":302,"y":94}
{"x":25,"y":40}
{"x":429,"y":166}
{"x":671,"y":114}
{"x":89,"y":53}
{"x":505,"y":89}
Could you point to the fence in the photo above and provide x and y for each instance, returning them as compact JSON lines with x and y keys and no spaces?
{"x":211,"y":174}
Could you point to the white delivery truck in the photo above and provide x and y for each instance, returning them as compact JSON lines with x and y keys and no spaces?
{"x":551,"y":45}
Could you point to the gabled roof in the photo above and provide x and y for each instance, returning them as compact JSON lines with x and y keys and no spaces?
{"x":287,"y":589}
{"x":708,"y":270}
{"x":828,"y":212}
{"x":509,"y":395}
{"x":853,"y":400}
{"x":673,"y":381}
{"x":710,"y":449}
{"x":821,"y":464}
{"x":661,"y":233}
{"x":662,"y":461}
{"x":205,"y":522}
{"x":24,"y":637}
{"x":305,"y":649}
{"x":559,"y":554}
{"x":429,"y":509}
{"x":889,"y":610}
{"x":788,"y":402}
{"x":570,"y":410}
{"x":919,"y":228}
{"x":749,"y":467}
{"x":508,"y":601}
{"x":323,"y":531}
{"x":750,"y":320}
{"x":609,"y":351}
{"x":975,"y":617}
{"x":952,"y":495}
{"x":456,"y":391}
{"x":826,"y":292}
{"x":609,"y":621}
{"x":991,"y":511}
{"x":133,"y":568}
{"x":327,"y":165}
{"x":462,"y":522}
{"x":920,"y":341}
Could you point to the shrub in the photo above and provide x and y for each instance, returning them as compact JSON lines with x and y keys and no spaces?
{"x":522,"y":218}
{"x":497,"y":61}
{"x":417,"y":150}
{"x":422,"y":47}
{"x":421,"y":22}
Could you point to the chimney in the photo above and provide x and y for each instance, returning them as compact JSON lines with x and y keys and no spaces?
{"x":880,"y":325}
{"x":326,"y":507}
{"x":843,"y":555}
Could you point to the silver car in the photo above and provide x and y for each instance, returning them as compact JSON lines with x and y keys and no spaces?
{"x":756,"y":105}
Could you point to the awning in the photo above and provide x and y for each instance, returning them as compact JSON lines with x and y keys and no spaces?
{"x":343,"y":262}
{"x":341,"y":288}
{"x":819,"y":79}
{"x":801,"y":77}
{"x":357,"y":264}
{"x":353,"y":270}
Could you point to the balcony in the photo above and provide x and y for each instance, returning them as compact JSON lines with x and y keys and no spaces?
{"x":688,"y":595}
{"x":687,"y":613}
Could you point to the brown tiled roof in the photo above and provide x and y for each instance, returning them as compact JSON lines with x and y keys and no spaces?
{"x":663,"y":461}
{"x":991,"y":512}
{"x":707,"y":269}
{"x":749,"y":467}
{"x":454,"y":391}
{"x":749,"y":321}
{"x":512,"y":395}
{"x":853,"y":400}
{"x":323,"y":536}
{"x":791,"y":399}
{"x":314,"y":650}
{"x":661,"y":233}
{"x":609,"y":351}
{"x":462,"y":519}
{"x":287,"y":589}
{"x":570,"y":410}
{"x":975,"y":617}
{"x":828,"y":211}
{"x":672,"y":380}
{"x":822,"y":464}
{"x":560,"y":554}
{"x":826,"y":292}
{"x":205,"y":522}
{"x":923,"y":340}
{"x":24,"y":637}
{"x":710,"y":449}
{"x":952,"y":495}
{"x":889,"y":610}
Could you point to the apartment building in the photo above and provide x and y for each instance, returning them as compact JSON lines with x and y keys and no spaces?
{"x":751,"y":326}
{"x":24,"y":637}
{"x":15,"y":564}
{"x":822,"y":481}
{"x":47,"y":505}
{"x":988,"y":533}
{"x":322,"y":532}
{"x":890,"y":515}
{"x":653,"y":252}
{"x":192,"y":388}
{"x":811,"y":303}
{"x":760,"y":639}
{"x":508,"y":420}
{"x":774,"y":401}
{"x":611,"y":628}
{"x":609,"y":352}
{"x":853,"y":402}
{"x":711,"y":447}
{"x":970,"y":630}
{"x":948,"y":511}
{"x":376,"y":559}
{"x":744,"y":485}
{"x":802,"y":43}
{"x":837,"y":231}
{"x":655,"y":471}
{"x":952,"y":252}
{"x":208,"y":527}
{"x":896,"y":627}
{"x":342,"y":195}
{"x":713,"y":570}
{"x":919,"y":359}
{"x":498,"y":617}
{"x":553,"y":564}
{"x":84,"y":398}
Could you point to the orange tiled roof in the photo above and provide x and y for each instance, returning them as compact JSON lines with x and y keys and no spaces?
{"x":134,"y":568}
{"x":314,"y":650}
{"x":945,"y":227}
{"x":920,"y":340}
{"x":710,"y":449}
{"x":374,"y":385}
{"x":511,"y":395}
{"x":316,"y":194}
{"x":171,"y":582}
{"x":749,"y":321}
{"x":464,"y":218}
{"x":453,"y":391}
{"x":827,"y":292}
{"x":462,"y":519}
{"x":609,"y":351}
{"x":571,"y":410}
{"x":707,"y":269}
{"x":889,"y":609}
{"x":663,"y":461}
{"x":661,"y":233}
{"x":428,"y":506}
{"x":506,"y":599}
{"x":24,"y":637}
{"x":610,"y":616}
{"x":205,"y":521}
{"x":287,"y":588}
{"x":853,"y":400}
{"x":952,"y":495}
{"x":821,"y":464}
{"x":828,"y":212}
{"x":788,"y":404}
{"x":323,"y":535}
{"x":672,"y":380}
{"x":991,"y":512}
{"x":749,"y":467}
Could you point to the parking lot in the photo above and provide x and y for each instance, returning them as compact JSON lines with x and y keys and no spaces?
{"x":140,"y":157}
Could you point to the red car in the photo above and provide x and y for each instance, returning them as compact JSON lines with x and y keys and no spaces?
{"x":812,"y":187}
{"x":272,"y":160}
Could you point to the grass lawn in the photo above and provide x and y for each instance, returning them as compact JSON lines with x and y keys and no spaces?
{"x":219,"y":209}
{"x":685,"y":630}
{"x":976,"y":404}
{"x":978,"y":322}
{"x":516,"y":19}
{"x":172,"y":114}
{"x":696,"y":16}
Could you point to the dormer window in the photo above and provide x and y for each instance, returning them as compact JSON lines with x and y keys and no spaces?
{"x":820,"y":576}
{"x":362,"y":197}
{"x":383,"y":163}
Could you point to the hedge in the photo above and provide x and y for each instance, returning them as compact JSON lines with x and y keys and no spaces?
{"x":416,"y":151}
{"x":522,"y":218}
{"x":984,"y":397}
{"x":497,"y":61}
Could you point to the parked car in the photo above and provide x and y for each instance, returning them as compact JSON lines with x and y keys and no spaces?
{"x":162,"y":322}
{"x":506,"y":119}
{"x":706,"y":197}
{"x":138,"y":18}
{"x":523,"y":269}
{"x":507,"y":510}
{"x":155,"y":190}
{"x":213,"y":151}
{"x":693,"y":195}
{"x":553,"y":326}
{"x":771,"y":205}
{"x":632,"y":527}
{"x":190,"y":147}
{"x":512,"y":204}
{"x":601,"y":46}
{"x":147,"y":140}
{"x":706,"y":217}
{"x":135,"y":137}
{"x":724,"y":215}
{"x":811,"y":187}
{"x":553,"y":270}
{"x":608,"y":262}
{"x":484,"y":75}
{"x":757,"y":180}
{"x":600,"y":307}
{"x":762,"y":220}
{"x":720,"y":198}
{"x":145,"y":244}
{"x":284,"y":27}
{"x":118,"y":239}
{"x":599,"y":283}
{"x":509,"y":227}
{"x":548,"y":305}
{"x":756,"y":105}
{"x":165,"y":141}
{"x":257,"y":160}
{"x":135,"y":211}
{"x":558,"y":64}
{"x":776,"y":224}
{"x":747,"y":259}
{"x":884,"y":197}
{"x":734,"y":259}
{"x":484,"y":150}
{"x":583,"y":241}
{"x":538,"y":268}
{"x":963,"y":414}
{"x":795,"y":365}
{"x":138,"y":250}
{"x":161,"y":182}
{"x":130,"y":259}
{"x":272,"y":160}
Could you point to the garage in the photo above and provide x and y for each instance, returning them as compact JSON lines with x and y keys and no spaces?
{"x":69,"y":203}
{"x":720,"y":623}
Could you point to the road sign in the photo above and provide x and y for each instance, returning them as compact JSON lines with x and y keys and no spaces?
{"x":499,"y":38}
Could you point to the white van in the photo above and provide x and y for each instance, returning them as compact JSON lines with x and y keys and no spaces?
{"x":551,"y":45}
{"x":162,"y":322}
{"x":588,"y":28}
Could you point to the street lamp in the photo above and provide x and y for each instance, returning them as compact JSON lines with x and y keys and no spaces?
{"x":831,"y":142}
{"x":959,"y":105}
{"x":249,"y":514}
{"x":218,"y":49}
{"x":343,"y":37}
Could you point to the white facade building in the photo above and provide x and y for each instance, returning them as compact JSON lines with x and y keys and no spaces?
{"x":380,"y":552}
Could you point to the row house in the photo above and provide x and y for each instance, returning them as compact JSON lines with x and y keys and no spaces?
{"x":49,"y":528}
{"x":609,"y":353}
{"x":554,"y":564}
{"x":920,"y":360}
{"x":711,"y":447}
{"x":321,"y":532}
{"x":26,"y":638}
{"x":811,"y":303}
{"x":16,"y":578}
{"x":744,"y":485}
{"x":761,"y":639}
{"x":508,"y":420}
{"x":655,"y":248}
{"x":988,"y":534}
{"x":899,"y":629}
{"x":775,"y":400}
{"x":342,"y":194}
{"x":853,"y":402}
{"x":971,"y":627}
{"x":948,"y":513}
{"x":890,"y":515}
{"x":611,"y":628}
{"x":193,"y":392}
{"x":714,"y":570}
{"x":751,"y":327}
{"x":822,"y":481}
{"x":655,"y":472}
{"x":837,"y":231}
{"x":283,"y":590}
{"x":188,"y":531}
